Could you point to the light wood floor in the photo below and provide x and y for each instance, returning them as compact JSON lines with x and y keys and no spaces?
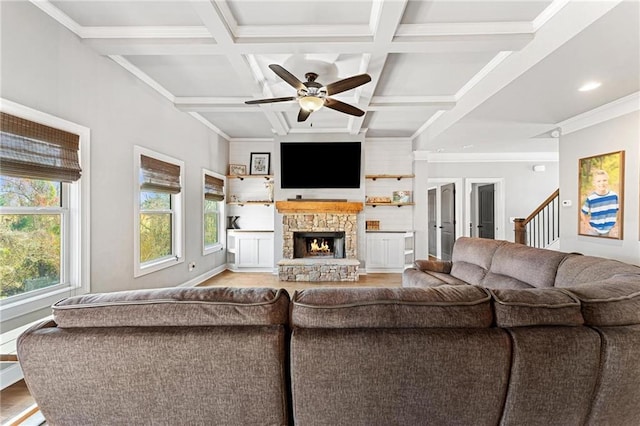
{"x":14,"y":400}
{"x":259,"y":279}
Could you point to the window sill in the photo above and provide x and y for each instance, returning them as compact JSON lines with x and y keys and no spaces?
{"x":32,"y":304}
{"x":212,"y":249}
{"x":157,"y":266}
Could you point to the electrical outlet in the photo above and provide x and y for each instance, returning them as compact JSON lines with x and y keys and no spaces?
{"x":192,"y":266}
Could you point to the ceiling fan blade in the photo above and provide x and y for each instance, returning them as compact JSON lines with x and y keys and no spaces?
{"x":291,"y":79}
{"x":348,"y":83}
{"x":342,"y":107}
{"x":270,"y":100}
{"x":303,"y":115}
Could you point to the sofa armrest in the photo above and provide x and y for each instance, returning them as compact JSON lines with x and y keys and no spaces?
{"x":443,"y":266}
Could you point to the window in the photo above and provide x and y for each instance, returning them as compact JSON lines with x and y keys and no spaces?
{"x":212,"y":211}
{"x":44,"y":210}
{"x":159,"y":241}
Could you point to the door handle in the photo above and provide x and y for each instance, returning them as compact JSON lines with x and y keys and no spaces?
{"x":480,"y":226}
{"x":440,"y":227}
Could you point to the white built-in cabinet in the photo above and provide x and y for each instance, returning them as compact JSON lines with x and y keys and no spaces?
{"x":389,"y":251}
{"x":250,"y":250}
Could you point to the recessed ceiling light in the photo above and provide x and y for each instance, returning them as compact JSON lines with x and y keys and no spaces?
{"x":590,"y":86}
{"x":467,"y":146}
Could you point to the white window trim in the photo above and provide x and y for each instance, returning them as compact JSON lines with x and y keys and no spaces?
{"x":76,"y":268}
{"x":221,"y":212}
{"x":178,"y":225}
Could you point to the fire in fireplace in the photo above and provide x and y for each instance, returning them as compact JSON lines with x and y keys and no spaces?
{"x":318,"y":245}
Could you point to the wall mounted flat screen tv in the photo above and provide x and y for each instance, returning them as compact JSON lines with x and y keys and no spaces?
{"x":320,"y":165}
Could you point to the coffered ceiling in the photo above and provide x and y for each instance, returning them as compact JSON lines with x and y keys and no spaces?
{"x":453,"y":73}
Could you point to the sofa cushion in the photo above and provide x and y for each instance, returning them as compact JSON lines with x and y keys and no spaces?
{"x":549,"y":306}
{"x":443,"y":306}
{"x":533,"y":266}
{"x":176,"y":306}
{"x":472,"y":258}
{"x":614,"y":301}
{"x":577,"y":269}
{"x":413,"y":277}
{"x":492,"y":280}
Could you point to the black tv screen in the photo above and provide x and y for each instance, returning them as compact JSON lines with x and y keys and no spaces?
{"x":320,"y":165}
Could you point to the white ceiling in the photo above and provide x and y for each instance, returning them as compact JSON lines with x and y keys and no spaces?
{"x":498,"y":75}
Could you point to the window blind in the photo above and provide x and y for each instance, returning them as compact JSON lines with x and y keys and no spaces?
{"x":159,"y":176}
{"x":35,"y":151}
{"x":213,"y":188}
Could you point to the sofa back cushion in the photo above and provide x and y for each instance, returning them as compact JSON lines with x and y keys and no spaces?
{"x":472,"y":258}
{"x":166,"y":356}
{"x":611,"y":302}
{"x":577,"y":269}
{"x":528,"y":265}
{"x":177,"y":306}
{"x":443,"y":306}
{"x":536,"y":306}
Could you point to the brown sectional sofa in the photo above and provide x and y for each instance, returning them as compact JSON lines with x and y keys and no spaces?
{"x":447,"y":353}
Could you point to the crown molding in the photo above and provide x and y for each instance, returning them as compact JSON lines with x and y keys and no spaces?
{"x":486,"y":157}
{"x":615,"y":109}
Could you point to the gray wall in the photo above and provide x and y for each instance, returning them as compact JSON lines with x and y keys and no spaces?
{"x":46,"y":67}
{"x":617,"y":134}
{"x":524,"y":189}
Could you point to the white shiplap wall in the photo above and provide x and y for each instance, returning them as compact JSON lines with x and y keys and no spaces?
{"x":389,"y":157}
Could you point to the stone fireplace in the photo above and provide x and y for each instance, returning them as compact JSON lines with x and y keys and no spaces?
{"x":333,"y":254}
{"x":318,"y":245}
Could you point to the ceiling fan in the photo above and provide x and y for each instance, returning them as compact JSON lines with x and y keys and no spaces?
{"x":312,"y":95}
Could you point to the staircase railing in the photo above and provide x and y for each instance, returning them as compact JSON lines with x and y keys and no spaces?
{"x":542,"y":227}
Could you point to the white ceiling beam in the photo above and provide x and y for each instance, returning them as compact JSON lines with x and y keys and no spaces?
{"x":212,"y":16}
{"x":200,"y":46}
{"x":567,"y":22}
{"x":464,"y":29}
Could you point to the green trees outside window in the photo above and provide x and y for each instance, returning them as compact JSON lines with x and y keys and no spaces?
{"x":30,"y":234}
{"x":211,"y":223}
{"x":156,"y":219}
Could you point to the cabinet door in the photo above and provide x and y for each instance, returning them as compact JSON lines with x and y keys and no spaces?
{"x":395,"y":251}
{"x":246,"y":251}
{"x":376,"y":251}
{"x":264,"y":247}
{"x":385,"y":251}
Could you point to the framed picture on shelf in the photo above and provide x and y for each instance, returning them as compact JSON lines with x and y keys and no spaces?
{"x":601,"y":195}
{"x":237,"y":169}
{"x":259,"y":164}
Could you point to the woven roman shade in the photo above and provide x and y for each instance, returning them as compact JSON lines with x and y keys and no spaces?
{"x":159,"y":176}
{"x":213,"y":188}
{"x":35,"y":151}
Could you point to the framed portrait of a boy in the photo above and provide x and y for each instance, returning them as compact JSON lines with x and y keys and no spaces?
{"x":601,"y":195}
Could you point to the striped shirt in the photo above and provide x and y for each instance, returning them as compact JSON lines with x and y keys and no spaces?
{"x":602,"y":211}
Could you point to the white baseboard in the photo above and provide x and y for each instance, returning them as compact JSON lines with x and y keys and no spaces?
{"x":202,"y":278}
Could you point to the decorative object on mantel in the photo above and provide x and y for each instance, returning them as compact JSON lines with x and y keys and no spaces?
{"x":372,"y":225}
{"x":401,"y":196}
{"x":259,"y":164}
{"x":269,"y":185}
{"x":378,"y":200}
{"x":237,"y":169}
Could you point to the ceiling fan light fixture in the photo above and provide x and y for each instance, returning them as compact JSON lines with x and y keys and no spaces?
{"x":311,"y":103}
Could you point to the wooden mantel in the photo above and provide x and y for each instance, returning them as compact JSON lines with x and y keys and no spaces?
{"x":294,"y":207}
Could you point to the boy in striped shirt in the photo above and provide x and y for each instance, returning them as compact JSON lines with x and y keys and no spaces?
{"x":600,"y":210}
